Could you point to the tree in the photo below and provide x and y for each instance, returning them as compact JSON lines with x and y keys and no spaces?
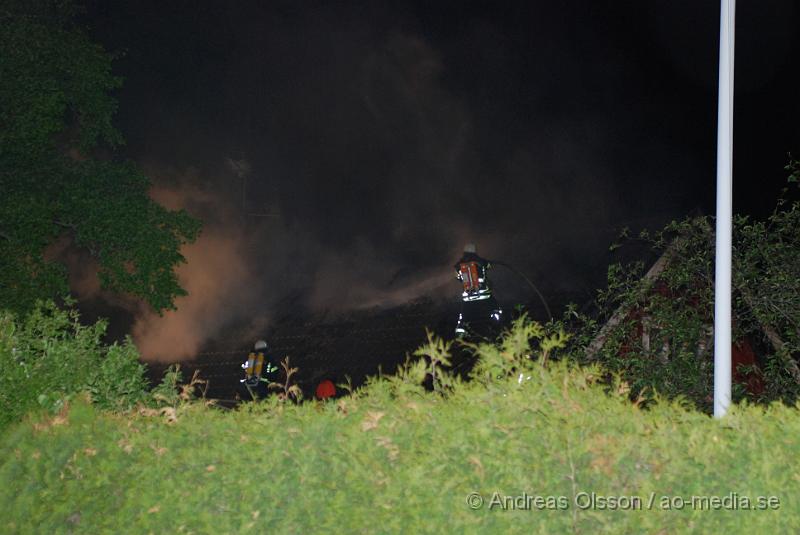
{"x":657,"y":329}
{"x":56,"y":110}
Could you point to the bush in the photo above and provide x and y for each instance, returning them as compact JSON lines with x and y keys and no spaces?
{"x":463,"y":458}
{"x":664,"y":343}
{"x":48,"y":357}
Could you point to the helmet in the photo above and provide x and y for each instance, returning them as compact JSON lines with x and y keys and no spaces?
{"x":470,"y":248}
{"x":261,"y":345}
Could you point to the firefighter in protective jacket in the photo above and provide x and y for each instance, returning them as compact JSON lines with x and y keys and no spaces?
{"x":259,"y":370}
{"x":478,"y":305}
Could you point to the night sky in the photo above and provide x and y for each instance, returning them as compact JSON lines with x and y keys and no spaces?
{"x":372,"y":141}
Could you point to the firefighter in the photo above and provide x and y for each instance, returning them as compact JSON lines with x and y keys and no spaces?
{"x":479,"y":308}
{"x":259,"y":370}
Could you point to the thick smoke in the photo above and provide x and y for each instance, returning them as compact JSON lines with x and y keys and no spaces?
{"x":217,"y":276}
{"x":217,"y":282}
{"x":342,"y":157}
{"x":377,"y":232}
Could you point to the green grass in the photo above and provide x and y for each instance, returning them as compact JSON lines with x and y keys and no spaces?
{"x":379,"y":463}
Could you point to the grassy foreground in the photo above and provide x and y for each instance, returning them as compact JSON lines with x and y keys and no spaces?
{"x":379,"y":463}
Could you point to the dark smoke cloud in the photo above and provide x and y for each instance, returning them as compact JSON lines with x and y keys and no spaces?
{"x":374,"y":237}
{"x":342,"y":155}
{"x":378,"y":180}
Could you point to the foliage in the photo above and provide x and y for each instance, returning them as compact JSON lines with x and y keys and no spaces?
{"x":514,"y":354}
{"x":288,"y":389}
{"x":368,"y":464}
{"x":56,"y":108}
{"x":48,"y":358}
{"x":433,"y":368}
{"x":665,"y":341}
{"x":168,"y":392}
{"x":437,"y":360}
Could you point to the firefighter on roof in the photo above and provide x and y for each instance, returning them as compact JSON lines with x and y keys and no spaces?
{"x":478,"y":305}
{"x":259,"y":370}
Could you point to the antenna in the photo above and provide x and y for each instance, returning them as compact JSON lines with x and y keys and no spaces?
{"x":241,"y":168}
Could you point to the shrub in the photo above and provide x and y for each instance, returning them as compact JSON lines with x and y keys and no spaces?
{"x":514,"y":352}
{"x":433,"y":368}
{"x":48,"y":357}
{"x":407,"y":460}
{"x":664,"y":342}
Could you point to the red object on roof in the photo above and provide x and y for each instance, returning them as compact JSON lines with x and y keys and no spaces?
{"x":325,"y":390}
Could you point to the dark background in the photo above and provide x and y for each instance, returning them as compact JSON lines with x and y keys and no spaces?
{"x":379,"y":138}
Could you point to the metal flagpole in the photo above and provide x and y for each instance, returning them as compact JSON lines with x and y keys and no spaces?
{"x":722,"y":282}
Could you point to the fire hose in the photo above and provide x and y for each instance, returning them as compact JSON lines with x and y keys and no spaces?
{"x":527,"y":280}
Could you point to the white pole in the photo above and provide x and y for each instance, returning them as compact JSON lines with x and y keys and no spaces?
{"x":722,"y":284}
